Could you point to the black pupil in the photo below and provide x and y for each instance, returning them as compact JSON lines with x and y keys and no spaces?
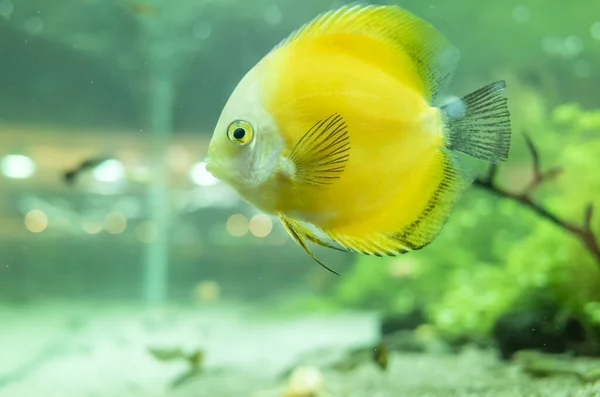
{"x":239,"y":133}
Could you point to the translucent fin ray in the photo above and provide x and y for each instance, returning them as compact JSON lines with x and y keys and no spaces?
{"x":296,"y":233}
{"x":478,"y":124}
{"x":320,"y":156}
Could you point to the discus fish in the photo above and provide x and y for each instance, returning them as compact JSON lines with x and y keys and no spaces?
{"x":339,"y":132}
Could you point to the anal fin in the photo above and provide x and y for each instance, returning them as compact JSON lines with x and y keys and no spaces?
{"x":379,"y":244}
{"x":455,"y":179}
{"x":311,"y":237}
{"x":299,"y":233}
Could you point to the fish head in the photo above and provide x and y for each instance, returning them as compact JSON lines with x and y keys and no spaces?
{"x":245,"y":148}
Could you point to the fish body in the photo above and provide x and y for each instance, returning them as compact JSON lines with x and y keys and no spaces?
{"x":337,"y":131}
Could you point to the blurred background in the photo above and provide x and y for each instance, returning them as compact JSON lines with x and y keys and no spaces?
{"x":111,"y":226}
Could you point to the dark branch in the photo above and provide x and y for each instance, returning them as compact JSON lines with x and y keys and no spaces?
{"x":583,"y":232}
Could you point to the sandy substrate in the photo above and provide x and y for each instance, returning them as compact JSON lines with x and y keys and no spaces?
{"x":93,"y":351}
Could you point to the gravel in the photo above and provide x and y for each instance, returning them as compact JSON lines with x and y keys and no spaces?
{"x":89,"y":350}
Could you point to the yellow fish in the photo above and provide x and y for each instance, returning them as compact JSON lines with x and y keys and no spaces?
{"x":338,"y":131}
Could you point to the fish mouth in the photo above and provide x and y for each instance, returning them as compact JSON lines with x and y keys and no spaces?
{"x":209,"y":167}
{"x":214,"y":168}
{"x":209,"y":162}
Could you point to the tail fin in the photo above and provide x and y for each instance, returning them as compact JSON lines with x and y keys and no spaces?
{"x":479,"y":124}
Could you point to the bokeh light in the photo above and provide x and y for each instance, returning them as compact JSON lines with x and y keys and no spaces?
{"x":34,"y":25}
{"x":17,"y":166}
{"x":521,"y":13}
{"x":109,"y":171}
{"x":595,"y":30}
{"x":401,"y":268}
{"x":207,"y":291}
{"x":36,"y":221}
{"x":91,"y":226}
{"x":178,"y":158}
{"x":115,"y":222}
{"x":237,"y":225}
{"x":201,"y":177}
{"x":273,"y":15}
{"x":6,"y":8}
{"x":261,"y":225}
{"x":202,"y":30}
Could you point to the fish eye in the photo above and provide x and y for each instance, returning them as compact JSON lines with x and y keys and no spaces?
{"x":240,"y":132}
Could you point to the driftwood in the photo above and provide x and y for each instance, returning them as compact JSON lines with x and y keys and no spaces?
{"x":582,"y":231}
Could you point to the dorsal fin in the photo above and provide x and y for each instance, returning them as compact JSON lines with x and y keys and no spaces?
{"x":432,"y":55}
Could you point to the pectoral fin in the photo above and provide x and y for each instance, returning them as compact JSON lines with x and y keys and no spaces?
{"x":320,"y":156}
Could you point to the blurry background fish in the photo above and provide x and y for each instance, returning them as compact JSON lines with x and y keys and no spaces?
{"x":86,"y":165}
